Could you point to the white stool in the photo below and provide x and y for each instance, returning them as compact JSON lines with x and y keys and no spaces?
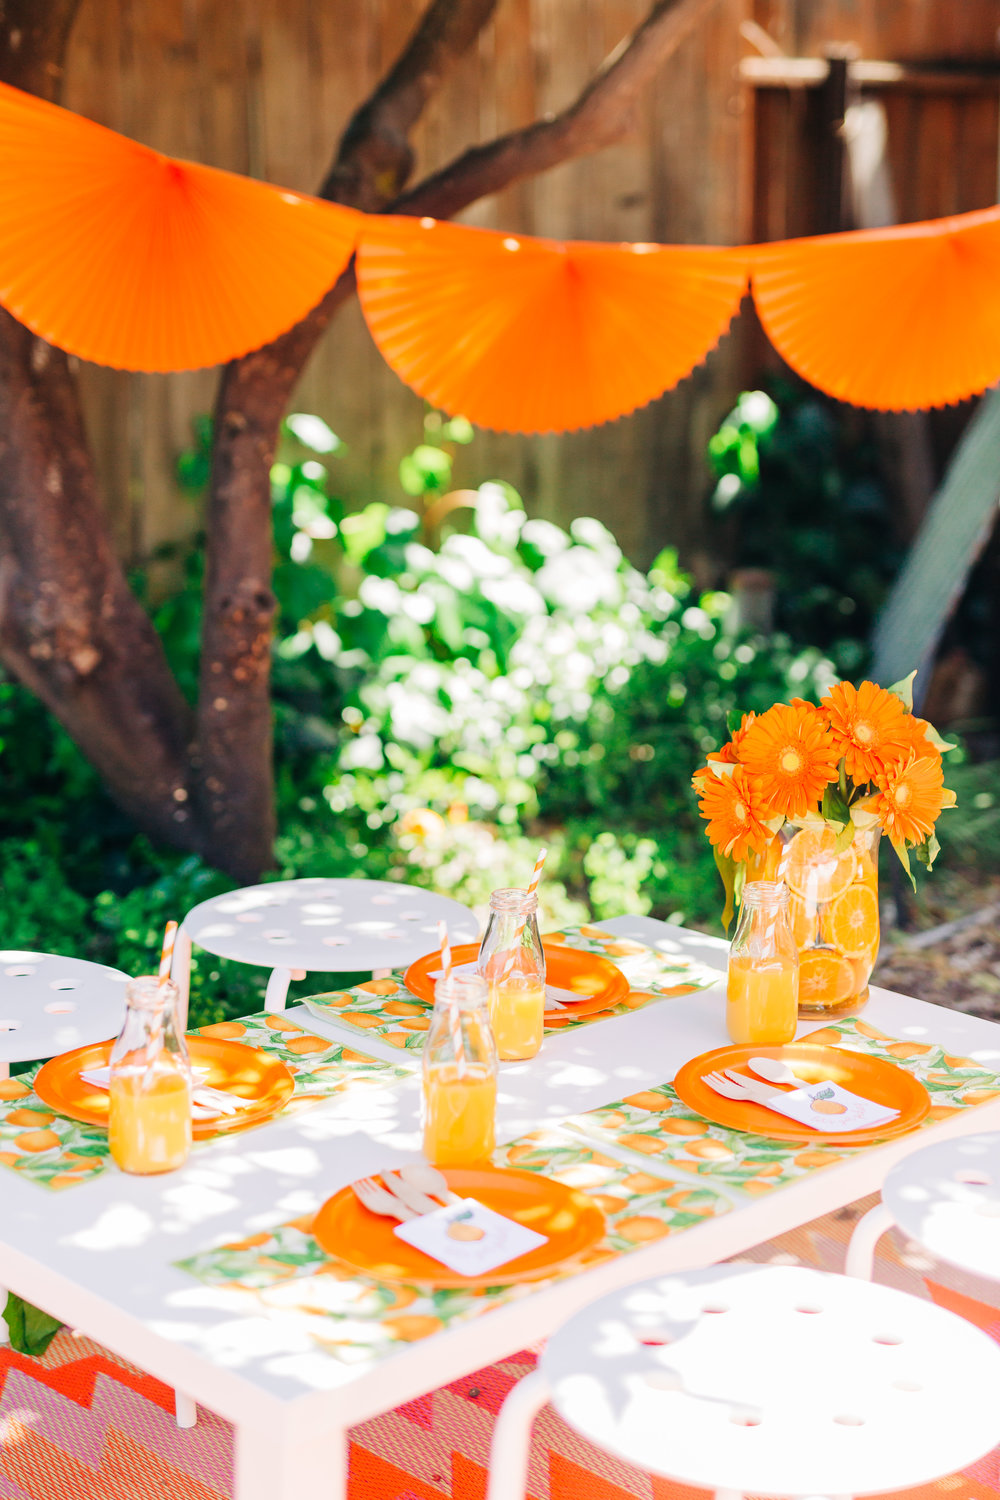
{"x":51,"y":1004}
{"x":764,"y":1380}
{"x":947,"y":1198}
{"x":292,"y":926}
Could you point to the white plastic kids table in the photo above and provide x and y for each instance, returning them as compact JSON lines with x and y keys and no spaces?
{"x":103,"y":1256}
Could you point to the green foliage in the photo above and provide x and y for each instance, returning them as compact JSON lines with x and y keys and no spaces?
{"x":798,"y":492}
{"x":455,"y":683}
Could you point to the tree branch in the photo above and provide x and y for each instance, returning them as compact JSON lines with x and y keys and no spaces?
{"x":234,"y":759}
{"x":602,"y":114}
{"x":375,"y":158}
{"x":370,"y":170}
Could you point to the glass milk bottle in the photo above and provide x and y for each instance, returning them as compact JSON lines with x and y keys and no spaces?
{"x":513,"y":964}
{"x":460,"y":1075}
{"x":763,"y":981}
{"x":149,"y":1125}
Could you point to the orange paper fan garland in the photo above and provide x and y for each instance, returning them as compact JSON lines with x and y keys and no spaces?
{"x":894,"y":319}
{"x":529,"y":335}
{"x":129,"y":258}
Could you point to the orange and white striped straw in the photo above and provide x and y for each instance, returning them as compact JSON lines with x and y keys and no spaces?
{"x":167,"y":951}
{"x":454,"y":1015}
{"x":536,"y":876}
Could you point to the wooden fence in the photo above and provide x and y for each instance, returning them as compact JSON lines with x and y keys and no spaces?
{"x":717,"y":156}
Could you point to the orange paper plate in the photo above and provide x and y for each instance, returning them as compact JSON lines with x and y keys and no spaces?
{"x":247,"y":1071}
{"x":894,"y":318}
{"x":134,"y":259}
{"x":365,"y":1241}
{"x":597,"y":979}
{"x":871,"y":1076}
{"x":543,"y":335}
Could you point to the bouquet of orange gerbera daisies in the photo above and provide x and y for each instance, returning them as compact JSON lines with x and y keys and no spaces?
{"x":857,"y":761}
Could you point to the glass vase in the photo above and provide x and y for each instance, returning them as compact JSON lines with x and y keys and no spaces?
{"x":833,"y":912}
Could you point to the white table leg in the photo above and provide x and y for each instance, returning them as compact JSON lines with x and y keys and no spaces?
{"x":290,"y":1461}
{"x":180,"y":973}
{"x":381,"y":973}
{"x":868,"y":1231}
{"x":4,"y":1330}
{"x":4,"y":1070}
{"x":185,"y":1410}
{"x":277,"y":989}
{"x":511,"y":1446}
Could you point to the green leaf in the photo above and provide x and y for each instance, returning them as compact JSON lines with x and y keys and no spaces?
{"x":904,"y":689}
{"x":728,"y":869}
{"x":904,"y":859}
{"x":31,"y":1330}
{"x":834,"y":808}
{"x":734,"y":718}
{"x":928,"y":851}
{"x":938,"y":741}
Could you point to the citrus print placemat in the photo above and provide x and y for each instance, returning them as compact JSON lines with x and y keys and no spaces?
{"x":388,"y":1010}
{"x":653,"y":1123}
{"x":57,"y":1152}
{"x":654,"y":1167}
{"x":355,"y":1318}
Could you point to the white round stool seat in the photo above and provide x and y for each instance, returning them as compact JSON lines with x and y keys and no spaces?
{"x":51,"y":1004}
{"x":331,"y":925}
{"x":947,"y":1198}
{"x":778,"y":1380}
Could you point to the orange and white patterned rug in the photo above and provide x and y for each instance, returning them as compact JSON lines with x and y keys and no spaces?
{"x":82,"y":1424}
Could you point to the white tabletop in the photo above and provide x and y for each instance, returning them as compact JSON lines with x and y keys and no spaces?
{"x":101,"y":1255}
{"x":51,"y":1004}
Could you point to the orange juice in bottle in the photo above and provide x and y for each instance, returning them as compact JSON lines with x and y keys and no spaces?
{"x":762,"y":985}
{"x":460,"y":1076}
{"x":149,"y":1100}
{"x":512,"y":961}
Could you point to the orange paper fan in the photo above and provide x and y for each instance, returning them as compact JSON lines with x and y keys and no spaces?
{"x":132,"y":259}
{"x":894,"y":319}
{"x":528,"y":335}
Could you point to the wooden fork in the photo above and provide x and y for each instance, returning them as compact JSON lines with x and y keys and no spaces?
{"x":378,"y":1200}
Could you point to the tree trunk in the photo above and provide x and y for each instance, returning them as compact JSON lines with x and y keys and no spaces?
{"x":70,"y":628}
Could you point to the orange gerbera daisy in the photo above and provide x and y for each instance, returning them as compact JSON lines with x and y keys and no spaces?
{"x":790,"y":755}
{"x":728,"y":754}
{"x":912,"y":798}
{"x":915,"y":739}
{"x":732,"y":809}
{"x":868,"y":728}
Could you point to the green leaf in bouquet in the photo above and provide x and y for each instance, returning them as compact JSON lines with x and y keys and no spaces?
{"x":904,"y":689}
{"x":834,"y":807}
{"x":729,"y":871}
{"x":734,"y":718}
{"x":904,"y":859}
{"x":928,"y":851}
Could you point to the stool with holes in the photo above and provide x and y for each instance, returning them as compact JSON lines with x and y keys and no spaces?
{"x":51,"y":1004}
{"x":292,"y":926}
{"x":764,"y":1380}
{"x":947,"y":1198}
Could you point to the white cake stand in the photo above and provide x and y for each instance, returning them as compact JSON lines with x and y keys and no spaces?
{"x":292,"y":926}
{"x":51,"y":1004}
